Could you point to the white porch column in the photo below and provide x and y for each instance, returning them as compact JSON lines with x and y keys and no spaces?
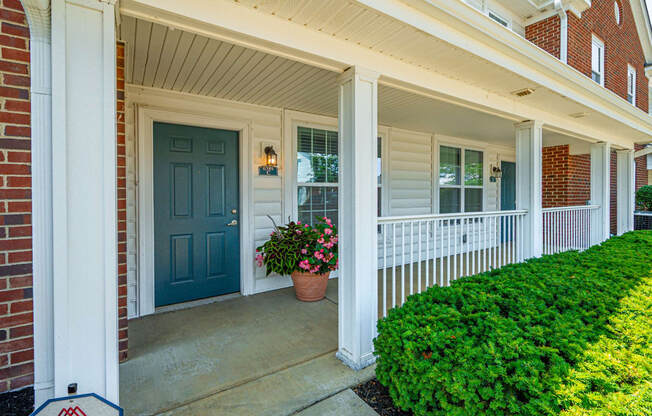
{"x":38,"y":15}
{"x":84,"y":206}
{"x":600,"y":161}
{"x":625,"y":191}
{"x":528,"y":185}
{"x":358,"y":252}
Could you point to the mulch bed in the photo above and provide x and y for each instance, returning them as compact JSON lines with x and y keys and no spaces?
{"x":377,"y":397}
{"x":17,"y":403}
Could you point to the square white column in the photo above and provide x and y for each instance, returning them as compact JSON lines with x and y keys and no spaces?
{"x":358,"y":252}
{"x":528,"y":185}
{"x":600,"y":164}
{"x":85,"y":295}
{"x":625,"y":190}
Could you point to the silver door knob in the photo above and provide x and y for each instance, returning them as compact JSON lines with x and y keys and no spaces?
{"x":233,"y":223}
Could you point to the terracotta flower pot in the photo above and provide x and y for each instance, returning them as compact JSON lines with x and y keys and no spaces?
{"x":310,"y":287}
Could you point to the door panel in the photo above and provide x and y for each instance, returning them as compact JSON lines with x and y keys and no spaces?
{"x":508,"y":186}
{"x":197,"y":255}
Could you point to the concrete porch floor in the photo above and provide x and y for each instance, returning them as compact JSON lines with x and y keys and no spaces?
{"x":181,"y":359}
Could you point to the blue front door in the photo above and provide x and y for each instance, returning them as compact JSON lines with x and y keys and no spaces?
{"x":196,"y":213}
{"x":507,"y":197}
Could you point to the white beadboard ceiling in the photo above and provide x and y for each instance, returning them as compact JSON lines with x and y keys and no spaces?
{"x":161,"y":57}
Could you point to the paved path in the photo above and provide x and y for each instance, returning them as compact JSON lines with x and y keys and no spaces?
{"x":344,"y":403}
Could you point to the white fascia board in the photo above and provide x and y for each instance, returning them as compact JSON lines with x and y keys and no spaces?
{"x":475,"y":33}
{"x":642,"y":20}
{"x":247,"y":27}
{"x":644,"y":151}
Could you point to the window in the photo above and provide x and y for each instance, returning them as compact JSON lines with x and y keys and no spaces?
{"x":597,"y":61}
{"x":460,"y":180}
{"x":617,"y":12}
{"x":631,"y":84}
{"x":317,"y":174}
{"x":500,"y":19}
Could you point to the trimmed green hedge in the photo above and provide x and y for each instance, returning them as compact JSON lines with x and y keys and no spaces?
{"x":527,"y":339}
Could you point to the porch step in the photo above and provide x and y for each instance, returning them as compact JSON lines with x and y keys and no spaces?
{"x":343,"y":403}
{"x":285,"y":392}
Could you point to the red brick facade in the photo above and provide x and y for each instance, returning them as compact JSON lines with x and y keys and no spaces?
{"x":16,"y":317}
{"x":622,"y":44}
{"x":545,"y":34}
{"x":122,"y":201}
{"x":641,"y":176}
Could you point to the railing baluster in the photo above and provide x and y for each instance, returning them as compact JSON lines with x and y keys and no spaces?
{"x":384,"y":235}
{"x":393,"y":265}
{"x":411,"y":258}
{"x":427,"y":262}
{"x":402,"y":263}
{"x":419,"y":264}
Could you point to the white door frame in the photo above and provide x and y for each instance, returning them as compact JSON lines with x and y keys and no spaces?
{"x":146,"y":116}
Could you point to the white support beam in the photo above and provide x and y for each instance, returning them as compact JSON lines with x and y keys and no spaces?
{"x":528,"y":184}
{"x":84,"y":209}
{"x":625,"y":190}
{"x":38,"y":16}
{"x":600,"y":181}
{"x":358,"y":301}
{"x":644,"y":151}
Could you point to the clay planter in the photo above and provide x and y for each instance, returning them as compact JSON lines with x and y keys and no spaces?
{"x":310,"y":287}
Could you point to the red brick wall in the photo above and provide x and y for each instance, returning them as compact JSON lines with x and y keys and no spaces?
{"x":622,"y":46}
{"x":579,"y":184}
{"x":545,"y":34}
{"x":641,"y":176}
{"x":122,"y":202}
{"x":16,"y":317}
{"x":555,"y":176}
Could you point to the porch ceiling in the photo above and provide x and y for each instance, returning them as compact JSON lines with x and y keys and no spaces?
{"x":162,"y":57}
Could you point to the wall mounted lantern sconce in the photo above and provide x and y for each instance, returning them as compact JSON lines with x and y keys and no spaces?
{"x":270,"y":168}
{"x":496,"y":173}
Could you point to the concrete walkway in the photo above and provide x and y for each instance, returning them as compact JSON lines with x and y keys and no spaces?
{"x":343,"y":403}
{"x":265,"y":354}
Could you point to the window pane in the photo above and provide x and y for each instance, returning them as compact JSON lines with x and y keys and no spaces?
{"x":315,"y":202}
{"x":449,"y":200}
{"x":449,"y":165}
{"x":317,"y":156}
{"x":379,"y":162}
{"x":472,"y":168}
{"x":472,"y":200}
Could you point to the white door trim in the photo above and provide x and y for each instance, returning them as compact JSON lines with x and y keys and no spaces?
{"x":146,"y":116}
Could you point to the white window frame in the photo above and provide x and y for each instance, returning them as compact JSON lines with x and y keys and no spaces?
{"x":461,"y":186}
{"x":631,"y":86}
{"x":595,"y":41}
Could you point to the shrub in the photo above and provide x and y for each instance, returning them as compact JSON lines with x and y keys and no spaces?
{"x":644,"y":198}
{"x":504,"y":342}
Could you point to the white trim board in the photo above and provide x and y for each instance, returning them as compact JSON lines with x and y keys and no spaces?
{"x":146,"y":116}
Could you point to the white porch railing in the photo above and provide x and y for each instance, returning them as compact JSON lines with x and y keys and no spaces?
{"x":417,"y":252}
{"x":567,"y":228}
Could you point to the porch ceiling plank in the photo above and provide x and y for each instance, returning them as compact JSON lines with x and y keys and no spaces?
{"x":266,"y":96}
{"x":180,"y":54}
{"x":287,"y":67}
{"x":157,"y":40}
{"x":190,"y":62}
{"x":143,"y":31}
{"x":233,"y":52}
{"x":279,"y":64}
{"x":256,"y":61}
{"x":172,"y":39}
{"x":239,"y":62}
{"x":201,"y":64}
{"x":299,"y":85}
{"x":252,"y":74}
{"x":211,"y":67}
{"x":128,"y":35}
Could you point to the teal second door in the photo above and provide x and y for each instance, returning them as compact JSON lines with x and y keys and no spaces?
{"x":196,"y":213}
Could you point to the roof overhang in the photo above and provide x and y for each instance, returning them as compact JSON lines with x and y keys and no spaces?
{"x":642,"y":20}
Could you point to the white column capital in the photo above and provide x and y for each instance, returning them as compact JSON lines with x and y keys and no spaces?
{"x":38,"y":17}
{"x":529,"y":124}
{"x":362,"y":73}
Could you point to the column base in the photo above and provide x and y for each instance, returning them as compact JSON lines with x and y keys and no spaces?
{"x":365,"y":361}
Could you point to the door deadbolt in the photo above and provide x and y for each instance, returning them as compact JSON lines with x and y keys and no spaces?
{"x":234,"y":211}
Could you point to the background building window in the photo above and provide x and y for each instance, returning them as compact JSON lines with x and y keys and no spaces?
{"x":317,"y":174}
{"x":597,"y":61}
{"x":460,"y":180}
{"x":631,"y":84}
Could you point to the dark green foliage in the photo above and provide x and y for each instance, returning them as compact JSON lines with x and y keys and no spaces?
{"x":504,"y":342}
{"x":644,"y":198}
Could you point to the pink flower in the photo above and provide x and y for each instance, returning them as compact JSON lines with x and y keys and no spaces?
{"x":328,"y":221}
{"x":304,"y":251}
{"x":259,"y":260}
{"x":299,"y":232}
{"x":328,"y":231}
{"x":320,"y":241}
{"x":304,"y":264}
{"x":298,"y":222}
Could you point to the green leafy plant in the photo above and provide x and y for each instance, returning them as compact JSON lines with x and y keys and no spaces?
{"x":528,"y":339}
{"x":300,"y":247}
{"x":644,"y":198}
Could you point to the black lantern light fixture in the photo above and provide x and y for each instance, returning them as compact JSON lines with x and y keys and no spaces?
{"x":270,"y":168}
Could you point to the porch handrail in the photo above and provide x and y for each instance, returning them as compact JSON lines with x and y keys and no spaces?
{"x":449,"y":216}
{"x":571,"y":208}
{"x":643,"y":213}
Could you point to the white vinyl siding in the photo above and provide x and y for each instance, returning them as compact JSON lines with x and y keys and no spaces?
{"x":631,"y":85}
{"x":597,"y":60}
{"x":410,"y":170}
